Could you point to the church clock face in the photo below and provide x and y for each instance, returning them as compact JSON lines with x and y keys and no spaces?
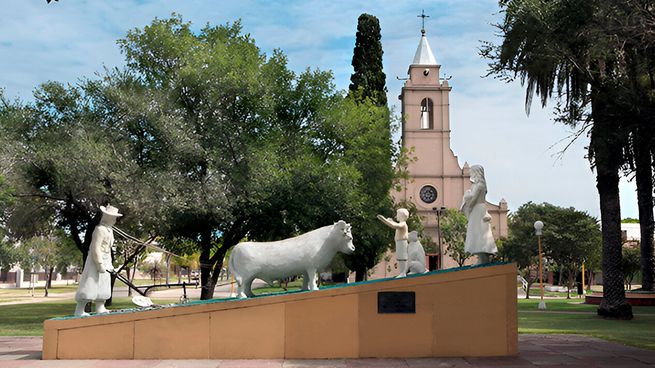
{"x":428,"y":194}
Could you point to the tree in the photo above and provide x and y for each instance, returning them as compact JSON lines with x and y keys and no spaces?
{"x":631,"y":24}
{"x":569,"y":238}
{"x":368,"y":80}
{"x":8,"y":252}
{"x":8,"y":257}
{"x":53,"y":251}
{"x":68,"y":162}
{"x":560,"y":48}
{"x":631,"y":264}
{"x":521,"y":245}
{"x":453,"y":231}
{"x":363,"y":129}
{"x":250,"y":149}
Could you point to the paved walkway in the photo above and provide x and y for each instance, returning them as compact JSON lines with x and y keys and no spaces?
{"x":535,"y":351}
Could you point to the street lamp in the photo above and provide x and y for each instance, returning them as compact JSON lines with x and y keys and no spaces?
{"x":439,"y":212}
{"x":538,"y":227}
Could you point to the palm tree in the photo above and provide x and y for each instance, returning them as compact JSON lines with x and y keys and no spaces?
{"x":558,"y":47}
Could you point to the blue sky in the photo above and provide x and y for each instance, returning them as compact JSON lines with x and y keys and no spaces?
{"x":70,"y":39}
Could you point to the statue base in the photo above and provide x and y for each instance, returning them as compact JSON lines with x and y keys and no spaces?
{"x":462,"y":312}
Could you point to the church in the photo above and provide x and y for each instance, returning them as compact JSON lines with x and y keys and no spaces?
{"x":436,"y":179}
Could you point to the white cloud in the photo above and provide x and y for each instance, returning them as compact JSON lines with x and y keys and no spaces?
{"x":70,"y":39}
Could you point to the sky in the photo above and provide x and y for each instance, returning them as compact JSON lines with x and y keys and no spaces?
{"x":70,"y":39}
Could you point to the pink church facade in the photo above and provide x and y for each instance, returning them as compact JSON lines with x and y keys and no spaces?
{"x":436,"y":178}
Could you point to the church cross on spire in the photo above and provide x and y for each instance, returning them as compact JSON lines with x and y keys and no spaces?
{"x":423,"y":20}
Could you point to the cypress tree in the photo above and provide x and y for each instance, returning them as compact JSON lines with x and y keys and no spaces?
{"x":368,"y":79}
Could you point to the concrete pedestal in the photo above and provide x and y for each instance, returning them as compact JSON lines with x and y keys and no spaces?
{"x":463,"y":312}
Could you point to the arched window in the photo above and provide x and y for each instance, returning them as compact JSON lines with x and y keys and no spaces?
{"x":427,"y":119}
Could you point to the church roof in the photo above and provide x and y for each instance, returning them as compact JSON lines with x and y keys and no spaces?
{"x":424,"y":55}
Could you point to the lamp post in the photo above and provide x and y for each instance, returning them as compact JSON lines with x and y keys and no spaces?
{"x":439,"y":212}
{"x":583,"y":280}
{"x":538,"y":227}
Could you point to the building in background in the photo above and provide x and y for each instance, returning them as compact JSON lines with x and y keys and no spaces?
{"x":436,"y":178}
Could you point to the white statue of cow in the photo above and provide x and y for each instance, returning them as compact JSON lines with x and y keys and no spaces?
{"x":305,"y":254}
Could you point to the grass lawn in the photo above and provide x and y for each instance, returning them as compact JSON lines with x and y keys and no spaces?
{"x":560,"y":294}
{"x":12,"y":295}
{"x":292,"y":286}
{"x":582,"y":319}
{"x":27,"y":319}
{"x":158,"y":281}
{"x":38,"y":291}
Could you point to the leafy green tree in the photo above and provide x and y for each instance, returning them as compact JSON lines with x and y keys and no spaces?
{"x":201,"y":139}
{"x":249,"y":148}
{"x":569,"y":238}
{"x":8,"y":257}
{"x":51,"y":252}
{"x":68,"y":163}
{"x":572,"y":237}
{"x":631,"y":264}
{"x":363,"y":130}
{"x":368,"y":79}
{"x":561,"y":48}
{"x":453,"y":231}
{"x":521,"y":245}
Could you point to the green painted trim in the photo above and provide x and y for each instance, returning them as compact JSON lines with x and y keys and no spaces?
{"x":337,"y":286}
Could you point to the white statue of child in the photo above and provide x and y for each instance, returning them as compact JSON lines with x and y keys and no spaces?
{"x":402,"y":214}
{"x":416,"y":254}
{"x":95,"y":282}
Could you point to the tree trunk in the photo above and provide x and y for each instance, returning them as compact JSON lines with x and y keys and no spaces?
{"x":614,"y":304}
{"x":644,"y":179}
{"x":570,"y":273}
{"x":207,"y":288}
{"x":210,"y":266}
{"x":168,"y":269}
{"x":589,"y":278}
{"x":48,"y":280}
{"x":360,"y":275}
{"x":606,"y":146}
{"x":527,"y":290}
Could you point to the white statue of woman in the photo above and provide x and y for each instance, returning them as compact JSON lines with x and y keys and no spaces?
{"x":402,"y":214}
{"x":95,"y":282}
{"x":479,"y":238}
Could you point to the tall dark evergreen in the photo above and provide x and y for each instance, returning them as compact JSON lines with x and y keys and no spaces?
{"x":368,"y":79}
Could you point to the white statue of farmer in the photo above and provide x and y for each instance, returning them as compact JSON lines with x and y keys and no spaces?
{"x":95,"y":283}
{"x":401,"y":237}
{"x":416,"y":253}
{"x":479,"y":239}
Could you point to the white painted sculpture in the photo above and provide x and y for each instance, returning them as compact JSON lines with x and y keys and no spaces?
{"x":306,"y":254}
{"x":416,"y":254}
{"x":402,"y":214}
{"x":95,"y":282}
{"x":479,"y":238}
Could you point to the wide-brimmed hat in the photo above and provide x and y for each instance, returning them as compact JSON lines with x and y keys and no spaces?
{"x":110,"y":210}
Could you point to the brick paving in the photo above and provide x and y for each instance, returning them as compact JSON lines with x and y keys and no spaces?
{"x":535,"y":351}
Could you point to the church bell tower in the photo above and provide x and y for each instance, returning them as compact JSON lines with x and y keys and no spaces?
{"x":436,"y":179}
